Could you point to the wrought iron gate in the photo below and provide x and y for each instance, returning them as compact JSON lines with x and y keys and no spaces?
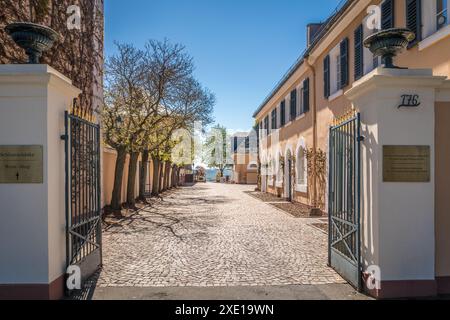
{"x":344,"y":203}
{"x":83,"y":194}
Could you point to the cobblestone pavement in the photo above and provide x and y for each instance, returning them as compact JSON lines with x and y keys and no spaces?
{"x":214,"y":235}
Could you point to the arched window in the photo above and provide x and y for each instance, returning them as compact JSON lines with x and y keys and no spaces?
{"x":301,"y":167}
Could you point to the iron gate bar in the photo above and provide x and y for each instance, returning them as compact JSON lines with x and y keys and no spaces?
{"x":344,"y":199}
{"x":83,"y":193}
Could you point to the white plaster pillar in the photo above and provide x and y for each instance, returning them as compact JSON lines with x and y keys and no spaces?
{"x":398,"y":218}
{"x":33,"y":99}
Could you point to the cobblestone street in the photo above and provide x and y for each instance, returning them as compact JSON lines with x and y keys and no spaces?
{"x":214,"y":235}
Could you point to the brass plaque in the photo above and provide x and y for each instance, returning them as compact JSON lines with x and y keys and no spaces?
{"x":406,"y":164}
{"x":21,"y":165}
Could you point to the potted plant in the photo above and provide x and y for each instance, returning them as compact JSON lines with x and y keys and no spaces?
{"x":34,"y":38}
{"x":388,"y":44}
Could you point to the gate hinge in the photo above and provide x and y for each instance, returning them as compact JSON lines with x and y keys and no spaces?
{"x":64,"y":137}
{"x":361,"y":138}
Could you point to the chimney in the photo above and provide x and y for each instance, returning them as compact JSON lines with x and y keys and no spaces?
{"x":312,"y":32}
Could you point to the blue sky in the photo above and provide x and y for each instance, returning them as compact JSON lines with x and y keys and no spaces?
{"x":241,"y":48}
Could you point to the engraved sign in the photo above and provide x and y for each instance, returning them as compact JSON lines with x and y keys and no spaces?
{"x":410,"y":101}
{"x":21,"y":165}
{"x":406,"y":164}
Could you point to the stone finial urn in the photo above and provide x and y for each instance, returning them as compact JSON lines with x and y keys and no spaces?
{"x":35,"y":39}
{"x":389,"y":43}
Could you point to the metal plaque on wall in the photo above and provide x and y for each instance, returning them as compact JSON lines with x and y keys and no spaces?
{"x":21,"y":165}
{"x":406,"y":164}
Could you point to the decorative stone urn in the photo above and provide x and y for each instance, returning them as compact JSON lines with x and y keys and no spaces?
{"x":35,"y":39}
{"x":388,"y":44}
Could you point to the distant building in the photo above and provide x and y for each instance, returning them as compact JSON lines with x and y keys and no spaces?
{"x":244,"y":154}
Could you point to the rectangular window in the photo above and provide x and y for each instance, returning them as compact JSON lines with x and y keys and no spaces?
{"x":337,"y":65}
{"x":441,"y":13}
{"x":414,"y":19}
{"x":359,"y":52}
{"x":274,"y":119}
{"x":326,"y":77}
{"x":266,"y":125}
{"x":305,"y":105}
{"x":387,"y":14}
{"x":293,"y":104}
{"x":376,"y":62}
{"x":343,"y":64}
{"x":283,"y":113}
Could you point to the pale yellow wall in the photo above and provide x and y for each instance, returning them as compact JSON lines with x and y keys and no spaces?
{"x":109,"y":166}
{"x":436,"y":57}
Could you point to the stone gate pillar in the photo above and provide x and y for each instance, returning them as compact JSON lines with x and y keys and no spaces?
{"x":398,"y":179}
{"x":33,"y":99}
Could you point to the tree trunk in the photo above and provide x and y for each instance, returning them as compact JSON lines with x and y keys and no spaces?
{"x":116,"y":201}
{"x":155,"y":182}
{"x":132,"y":170}
{"x":174,"y":171}
{"x":161,"y":176}
{"x":143,"y":172}
{"x":167,"y":175}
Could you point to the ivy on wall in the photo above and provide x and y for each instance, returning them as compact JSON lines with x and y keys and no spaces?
{"x":79,"y":55}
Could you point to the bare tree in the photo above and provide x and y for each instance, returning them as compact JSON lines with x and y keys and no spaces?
{"x":123,"y":99}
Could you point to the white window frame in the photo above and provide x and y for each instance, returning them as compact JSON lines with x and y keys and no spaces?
{"x":430,"y":32}
{"x":444,"y":12}
{"x":301,"y":187}
{"x":335,"y":58}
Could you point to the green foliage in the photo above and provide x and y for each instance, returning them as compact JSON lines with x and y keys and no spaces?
{"x":217,"y":149}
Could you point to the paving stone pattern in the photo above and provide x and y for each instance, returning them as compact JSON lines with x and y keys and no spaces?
{"x":214,"y":235}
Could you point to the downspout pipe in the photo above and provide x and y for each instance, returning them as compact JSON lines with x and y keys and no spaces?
{"x":314,"y":115}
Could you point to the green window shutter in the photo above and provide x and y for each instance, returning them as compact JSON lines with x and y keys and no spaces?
{"x":359,"y":52}
{"x":305,"y":107}
{"x":283,"y":113}
{"x":344,"y":63}
{"x":274,"y":119}
{"x":266,"y":125}
{"x":326,"y":77}
{"x":293,"y":104}
{"x":388,"y":14}
{"x":414,"y":19}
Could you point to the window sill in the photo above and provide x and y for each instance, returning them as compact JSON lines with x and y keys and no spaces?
{"x":287,"y":124}
{"x":335,"y":95}
{"x":301,"y":188}
{"x":434,"y":38}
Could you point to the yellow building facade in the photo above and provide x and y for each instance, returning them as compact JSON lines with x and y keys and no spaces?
{"x":294,"y":120}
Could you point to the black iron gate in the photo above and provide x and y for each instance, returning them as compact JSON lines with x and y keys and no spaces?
{"x":83,"y":195}
{"x":344,"y":203}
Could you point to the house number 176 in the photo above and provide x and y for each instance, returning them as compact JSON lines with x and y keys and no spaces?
{"x":410,"y":101}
